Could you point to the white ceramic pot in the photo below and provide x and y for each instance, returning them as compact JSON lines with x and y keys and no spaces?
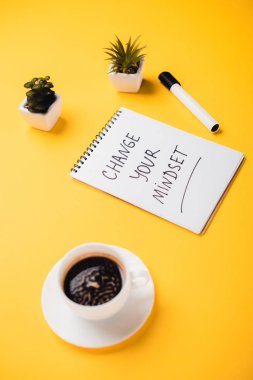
{"x":127,"y":82}
{"x":43,"y":121}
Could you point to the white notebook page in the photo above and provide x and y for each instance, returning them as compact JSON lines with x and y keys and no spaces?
{"x":168,"y":172}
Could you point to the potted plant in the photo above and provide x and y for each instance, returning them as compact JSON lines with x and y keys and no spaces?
{"x":42,"y":107}
{"x":126,"y":65}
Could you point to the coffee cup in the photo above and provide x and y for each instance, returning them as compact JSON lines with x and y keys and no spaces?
{"x":131,"y":277}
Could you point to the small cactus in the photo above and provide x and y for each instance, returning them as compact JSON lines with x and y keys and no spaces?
{"x":40,"y":96}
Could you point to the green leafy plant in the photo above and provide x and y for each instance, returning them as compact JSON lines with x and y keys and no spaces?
{"x":40,"y":96}
{"x":125,"y":59}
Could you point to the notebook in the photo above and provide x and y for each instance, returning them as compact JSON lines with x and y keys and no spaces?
{"x":171,"y":173}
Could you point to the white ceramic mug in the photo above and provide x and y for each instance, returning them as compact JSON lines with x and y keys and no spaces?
{"x":131,"y":278}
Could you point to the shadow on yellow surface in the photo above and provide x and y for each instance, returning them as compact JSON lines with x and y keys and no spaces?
{"x":60,"y":126}
{"x":147,"y":87}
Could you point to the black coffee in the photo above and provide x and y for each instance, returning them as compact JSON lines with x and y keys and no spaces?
{"x":93,"y":281}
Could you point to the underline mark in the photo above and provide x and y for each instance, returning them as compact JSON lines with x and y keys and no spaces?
{"x":188,"y":183}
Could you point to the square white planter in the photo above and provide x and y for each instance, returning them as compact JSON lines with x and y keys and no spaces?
{"x":127,"y":82}
{"x":43,"y":121}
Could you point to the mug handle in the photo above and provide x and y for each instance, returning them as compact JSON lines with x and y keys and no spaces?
{"x":139,"y":277}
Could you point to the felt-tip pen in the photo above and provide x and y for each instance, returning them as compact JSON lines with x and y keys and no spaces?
{"x":175,"y":87}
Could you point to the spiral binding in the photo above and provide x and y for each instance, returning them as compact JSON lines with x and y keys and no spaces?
{"x":98,"y":138}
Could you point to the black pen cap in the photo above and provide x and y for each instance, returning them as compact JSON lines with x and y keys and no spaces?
{"x":167,"y":79}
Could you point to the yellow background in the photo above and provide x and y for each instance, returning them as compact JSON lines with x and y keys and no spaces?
{"x":202,"y":325}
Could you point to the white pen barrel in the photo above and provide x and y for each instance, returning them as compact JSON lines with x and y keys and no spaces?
{"x":194,"y":107}
{"x":174,"y":86}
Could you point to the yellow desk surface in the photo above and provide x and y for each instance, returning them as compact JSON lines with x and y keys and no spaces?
{"x":202,"y":326}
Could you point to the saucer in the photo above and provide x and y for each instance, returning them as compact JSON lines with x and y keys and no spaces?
{"x":101,"y":333}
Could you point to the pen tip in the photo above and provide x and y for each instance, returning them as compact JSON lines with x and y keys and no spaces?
{"x":215,"y":128}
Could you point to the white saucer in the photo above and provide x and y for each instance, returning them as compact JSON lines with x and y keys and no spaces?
{"x":103,"y":333}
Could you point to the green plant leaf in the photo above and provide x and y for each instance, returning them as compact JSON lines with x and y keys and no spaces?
{"x":30,"y":93}
{"x":28,"y":84}
{"x":49,"y":85}
{"x":36,"y":86}
{"x":120,"y":46}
